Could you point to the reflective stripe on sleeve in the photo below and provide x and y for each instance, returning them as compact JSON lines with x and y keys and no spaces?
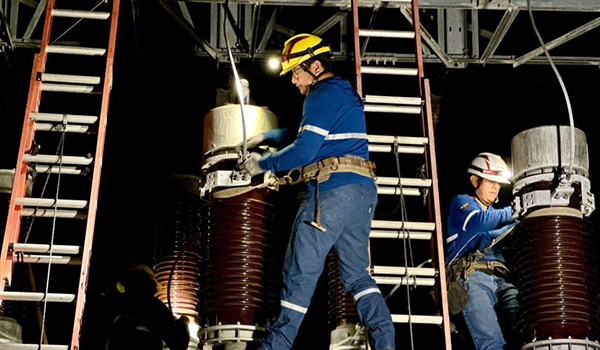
{"x":350,"y":135}
{"x":314,"y":129}
{"x":464,"y":228}
{"x":452,"y":238}
{"x":365,"y":292}
{"x":293,"y":306}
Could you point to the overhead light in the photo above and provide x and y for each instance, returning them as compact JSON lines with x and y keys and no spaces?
{"x":274,"y":63}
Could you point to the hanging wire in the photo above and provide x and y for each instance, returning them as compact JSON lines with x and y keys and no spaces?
{"x":50,"y":254}
{"x":562,"y":85}
{"x":238,"y":83}
{"x":407,"y":246}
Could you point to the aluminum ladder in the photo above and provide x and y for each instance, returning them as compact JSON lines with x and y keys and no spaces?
{"x":73,"y":72}
{"x":401,"y":133}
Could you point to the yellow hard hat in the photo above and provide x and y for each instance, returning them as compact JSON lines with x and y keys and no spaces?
{"x":301,"y":48}
{"x":144,"y":271}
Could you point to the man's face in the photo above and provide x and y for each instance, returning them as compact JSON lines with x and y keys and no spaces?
{"x":301,"y":79}
{"x":488,"y":190}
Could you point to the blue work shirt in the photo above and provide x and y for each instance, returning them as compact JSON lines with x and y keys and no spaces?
{"x":471,"y":228}
{"x":333,"y":124}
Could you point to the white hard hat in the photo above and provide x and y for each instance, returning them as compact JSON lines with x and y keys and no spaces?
{"x":490,"y":166}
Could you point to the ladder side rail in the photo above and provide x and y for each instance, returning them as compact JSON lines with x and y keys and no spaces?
{"x":13,"y":222}
{"x":95,"y":186}
{"x":19,"y":189}
{"x":357,"y":56}
{"x":433,"y":199}
{"x":418,"y":49}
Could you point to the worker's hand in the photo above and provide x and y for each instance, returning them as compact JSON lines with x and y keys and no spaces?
{"x":251,"y":142}
{"x":251,"y":166}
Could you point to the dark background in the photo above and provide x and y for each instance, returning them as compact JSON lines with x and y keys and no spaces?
{"x":162,"y":91}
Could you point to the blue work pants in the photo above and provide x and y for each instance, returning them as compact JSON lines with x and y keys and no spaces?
{"x":491,"y":312}
{"x":346,"y":214}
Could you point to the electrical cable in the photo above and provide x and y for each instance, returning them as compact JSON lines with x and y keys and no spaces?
{"x":562,"y":85}
{"x":62,"y":148}
{"x":238,"y":83}
{"x":406,"y":246}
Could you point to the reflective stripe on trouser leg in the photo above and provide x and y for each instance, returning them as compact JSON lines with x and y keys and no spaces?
{"x":353,"y":254}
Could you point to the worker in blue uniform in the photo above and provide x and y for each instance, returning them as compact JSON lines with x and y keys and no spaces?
{"x":473,"y":223}
{"x":331,"y":148}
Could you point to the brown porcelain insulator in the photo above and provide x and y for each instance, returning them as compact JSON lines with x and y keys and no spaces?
{"x":178,"y":275}
{"x":176,"y":256}
{"x":342,"y":309}
{"x":240,"y":260}
{"x":555,"y":265}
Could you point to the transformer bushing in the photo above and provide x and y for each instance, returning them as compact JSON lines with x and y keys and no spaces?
{"x":241,"y":245}
{"x":555,"y":249}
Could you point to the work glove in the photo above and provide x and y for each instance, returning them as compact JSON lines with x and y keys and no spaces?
{"x":251,"y":142}
{"x":251,"y":166}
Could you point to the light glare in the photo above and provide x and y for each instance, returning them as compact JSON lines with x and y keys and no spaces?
{"x":274,"y":63}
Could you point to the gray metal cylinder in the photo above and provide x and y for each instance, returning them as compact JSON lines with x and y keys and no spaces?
{"x":223,"y":126}
{"x":544,"y":148}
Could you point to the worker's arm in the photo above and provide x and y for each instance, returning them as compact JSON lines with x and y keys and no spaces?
{"x":316,"y":122}
{"x":279,"y":137}
{"x":488,"y":220}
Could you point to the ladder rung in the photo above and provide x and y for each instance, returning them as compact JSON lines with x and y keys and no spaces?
{"x":421,"y":319}
{"x":401,"y":140}
{"x":35,"y":296}
{"x":374,"y":33}
{"x":411,"y":280}
{"x":45,"y":248}
{"x":66,"y":78}
{"x":406,"y":182}
{"x":67,"y":160}
{"x":80,"y":89}
{"x":399,"y":225}
{"x":395,"y":191}
{"x":76,"y":50}
{"x":63,"y":170}
{"x":392,"y":109}
{"x":398,"y":100}
{"x":15,"y":346}
{"x":50,"y":213}
{"x":81,"y":129}
{"x":400,"y":149}
{"x":58,"y":118}
{"x":402,"y":271}
{"x":425,"y":236}
{"x":45,"y":259}
{"x":51,"y":202}
{"x":389,"y":70}
{"x":80,"y":14}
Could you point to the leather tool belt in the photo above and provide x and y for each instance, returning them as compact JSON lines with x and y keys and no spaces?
{"x":322,"y":170}
{"x":489,"y":267}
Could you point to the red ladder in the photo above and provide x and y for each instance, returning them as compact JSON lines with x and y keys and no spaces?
{"x":389,"y":113}
{"x":66,"y":96}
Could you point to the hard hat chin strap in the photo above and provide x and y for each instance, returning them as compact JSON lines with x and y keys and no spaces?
{"x":306,"y":68}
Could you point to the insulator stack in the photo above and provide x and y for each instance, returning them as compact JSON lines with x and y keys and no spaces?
{"x":555,"y":249}
{"x":240,"y":259}
{"x":342,"y":309}
{"x":555,"y":263}
{"x":176,"y":244}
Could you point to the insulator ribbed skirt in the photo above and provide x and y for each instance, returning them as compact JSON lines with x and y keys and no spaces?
{"x":555,"y":265}
{"x":342,"y":309}
{"x":176,"y":257}
{"x":240,"y":260}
